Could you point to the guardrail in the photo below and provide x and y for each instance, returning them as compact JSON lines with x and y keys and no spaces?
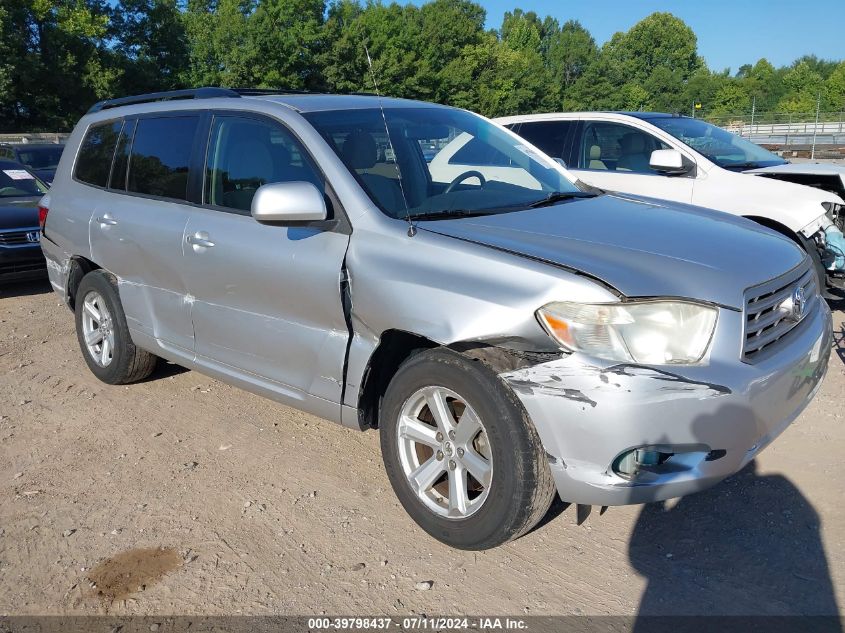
{"x":20,"y":138}
{"x":813,"y":132}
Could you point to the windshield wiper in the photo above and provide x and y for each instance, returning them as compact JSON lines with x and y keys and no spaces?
{"x":559,"y":196}
{"x":450,"y":213}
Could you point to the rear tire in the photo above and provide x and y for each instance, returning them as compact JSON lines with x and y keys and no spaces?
{"x":103,"y":334}
{"x":519,"y":486}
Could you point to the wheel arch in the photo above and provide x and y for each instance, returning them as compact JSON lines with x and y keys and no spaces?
{"x":769,"y":223}
{"x":78,"y":267}
{"x":394,"y":348}
{"x":397,"y":346}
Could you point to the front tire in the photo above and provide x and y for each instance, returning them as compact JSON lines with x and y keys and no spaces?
{"x":460,"y":452}
{"x":103,"y":334}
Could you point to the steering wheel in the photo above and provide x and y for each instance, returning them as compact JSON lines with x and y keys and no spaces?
{"x":467,"y":174}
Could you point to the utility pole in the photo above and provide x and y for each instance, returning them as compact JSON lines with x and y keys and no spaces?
{"x":816,"y":126}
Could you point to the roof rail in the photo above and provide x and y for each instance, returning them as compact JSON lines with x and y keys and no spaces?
{"x":193,"y":93}
{"x":254,"y":92}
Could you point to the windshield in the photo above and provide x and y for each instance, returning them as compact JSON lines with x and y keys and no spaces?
{"x":41,"y":157}
{"x":18,"y":182}
{"x":723,"y":148}
{"x":439,"y":161}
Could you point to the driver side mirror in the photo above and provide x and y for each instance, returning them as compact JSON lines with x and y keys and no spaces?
{"x":669,"y":162}
{"x":284,"y":203}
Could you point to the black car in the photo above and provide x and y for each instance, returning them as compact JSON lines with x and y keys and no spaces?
{"x":20,"y":230}
{"x":41,"y":158}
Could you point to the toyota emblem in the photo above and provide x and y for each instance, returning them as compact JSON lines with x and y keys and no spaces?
{"x":799,"y":302}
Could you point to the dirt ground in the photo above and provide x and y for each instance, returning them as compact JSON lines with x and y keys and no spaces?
{"x":182,"y":495}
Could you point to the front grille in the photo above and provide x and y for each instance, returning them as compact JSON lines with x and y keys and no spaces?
{"x":16,"y":238}
{"x":769,"y":314}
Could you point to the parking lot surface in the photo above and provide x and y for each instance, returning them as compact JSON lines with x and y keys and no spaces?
{"x":182,"y":495}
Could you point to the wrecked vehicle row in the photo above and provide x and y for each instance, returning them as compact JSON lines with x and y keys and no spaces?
{"x":510,"y":337}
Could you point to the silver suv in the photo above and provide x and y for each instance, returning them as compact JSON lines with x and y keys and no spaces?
{"x":511,"y":333}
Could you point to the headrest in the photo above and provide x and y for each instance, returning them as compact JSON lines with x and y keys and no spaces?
{"x":360,"y":150}
{"x":595,"y":152}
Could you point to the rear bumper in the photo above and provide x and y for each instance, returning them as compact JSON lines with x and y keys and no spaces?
{"x":58,"y":266}
{"x":714,"y":418}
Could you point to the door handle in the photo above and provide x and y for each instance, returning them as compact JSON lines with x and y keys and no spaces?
{"x":199,"y":239}
{"x":106,"y":220}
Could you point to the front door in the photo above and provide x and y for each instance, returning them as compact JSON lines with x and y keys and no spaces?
{"x":266,"y":299}
{"x":616,"y":157}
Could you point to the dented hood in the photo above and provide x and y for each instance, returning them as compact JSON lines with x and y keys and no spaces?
{"x":641,"y":248}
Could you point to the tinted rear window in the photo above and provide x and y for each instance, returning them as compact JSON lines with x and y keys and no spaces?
{"x":93,"y":163}
{"x":549,"y":136}
{"x":161,"y":156}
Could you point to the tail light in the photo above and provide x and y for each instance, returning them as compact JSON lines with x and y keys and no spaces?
{"x":42,"y":216}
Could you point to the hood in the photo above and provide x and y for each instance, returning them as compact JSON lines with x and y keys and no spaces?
{"x":19,"y":213}
{"x":641,"y":248}
{"x":814,"y":169}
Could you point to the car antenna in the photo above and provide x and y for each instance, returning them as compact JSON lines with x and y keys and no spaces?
{"x":412,"y":230}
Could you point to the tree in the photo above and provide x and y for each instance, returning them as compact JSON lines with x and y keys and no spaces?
{"x":221,"y":50}
{"x":494,"y":79}
{"x":570,"y":51}
{"x":286,"y":38}
{"x":803,"y":86}
{"x":834,"y":89}
{"x":151,"y":45}
{"x":56,"y":63}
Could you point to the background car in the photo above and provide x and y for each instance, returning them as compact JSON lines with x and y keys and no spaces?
{"x":42,"y":158}
{"x":20,"y":232}
{"x":687,"y":160}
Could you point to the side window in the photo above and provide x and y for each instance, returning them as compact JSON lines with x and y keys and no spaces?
{"x":617,"y":147}
{"x":93,"y":163}
{"x":121,"y":156}
{"x":244,"y":154}
{"x":161,"y":156}
{"x":549,"y":136}
{"x":7,"y":153}
{"x":478,"y":153}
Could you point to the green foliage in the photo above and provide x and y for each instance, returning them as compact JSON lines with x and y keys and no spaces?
{"x":57,"y":57}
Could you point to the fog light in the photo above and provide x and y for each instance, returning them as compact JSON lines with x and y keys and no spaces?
{"x":630,"y":463}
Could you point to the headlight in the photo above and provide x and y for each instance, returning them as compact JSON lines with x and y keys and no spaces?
{"x":650,"y":332}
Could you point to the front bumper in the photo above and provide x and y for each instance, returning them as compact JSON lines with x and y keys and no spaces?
{"x":20,"y":261}
{"x":715,"y":418}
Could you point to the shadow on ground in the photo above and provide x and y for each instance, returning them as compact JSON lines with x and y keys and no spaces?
{"x":24,"y":288}
{"x":751,"y":545}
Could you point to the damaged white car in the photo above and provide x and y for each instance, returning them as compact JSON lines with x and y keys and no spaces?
{"x":687,"y":160}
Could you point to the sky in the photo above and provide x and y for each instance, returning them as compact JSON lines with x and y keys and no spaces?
{"x":730,"y":33}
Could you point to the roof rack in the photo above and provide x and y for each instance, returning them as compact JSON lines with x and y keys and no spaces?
{"x":208,"y":92}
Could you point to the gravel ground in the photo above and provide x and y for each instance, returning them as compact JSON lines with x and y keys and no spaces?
{"x":182,"y":495}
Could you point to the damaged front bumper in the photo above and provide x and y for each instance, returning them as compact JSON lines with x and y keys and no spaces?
{"x":703,"y":422}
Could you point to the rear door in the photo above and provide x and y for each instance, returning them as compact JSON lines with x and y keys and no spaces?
{"x":137,"y":229}
{"x":266,"y":299}
{"x":553,"y":137}
{"x":615,"y":156}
